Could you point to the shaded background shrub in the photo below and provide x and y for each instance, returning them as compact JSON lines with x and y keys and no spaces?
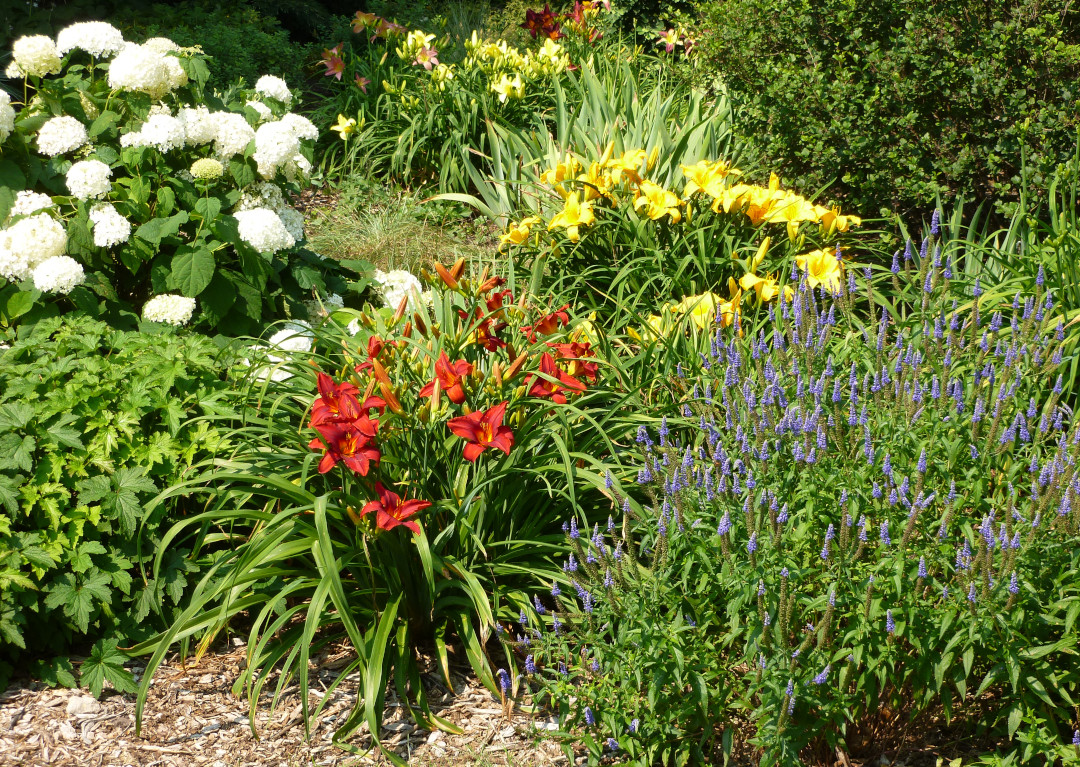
{"x":898,"y":100}
{"x":93,"y":423}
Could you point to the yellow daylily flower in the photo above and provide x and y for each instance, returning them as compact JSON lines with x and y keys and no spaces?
{"x":518,"y":233}
{"x":832,"y":221}
{"x":793,"y":209}
{"x":657,"y":202}
{"x":708,"y":177}
{"x":345,"y":126}
{"x":628,"y":165}
{"x":655,"y":326}
{"x":508,"y":88}
{"x":563,"y":170}
{"x":822,"y":269}
{"x":597,"y":182}
{"x":573,"y":215}
{"x":767,"y":288}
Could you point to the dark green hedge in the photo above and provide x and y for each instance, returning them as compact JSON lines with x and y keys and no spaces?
{"x":901,"y":100}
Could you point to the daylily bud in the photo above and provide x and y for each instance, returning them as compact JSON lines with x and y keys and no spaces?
{"x":420,"y":326}
{"x":367,"y":320}
{"x":400,"y":310}
{"x":457,"y":269}
{"x":449,"y":279}
{"x":392,"y":401}
{"x":435,"y":394}
{"x":407,"y":330}
{"x":353,"y":515}
{"x":515,"y":367}
{"x":425,"y":274}
{"x":379,"y":372}
{"x":496,"y":372}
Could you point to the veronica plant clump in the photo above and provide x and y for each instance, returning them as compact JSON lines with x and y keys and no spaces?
{"x":838,"y":522}
{"x":123,"y":180}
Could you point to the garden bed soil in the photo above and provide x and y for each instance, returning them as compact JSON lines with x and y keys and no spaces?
{"x":191,"y":719}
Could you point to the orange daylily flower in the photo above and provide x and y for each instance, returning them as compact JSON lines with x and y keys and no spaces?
{"x":483,"y":430}
{"x":572,"y":358}
{"x":547,"y":324}
{"x":390,"y":511}
{"x":557,"y":382}
{"x":450,"y":376}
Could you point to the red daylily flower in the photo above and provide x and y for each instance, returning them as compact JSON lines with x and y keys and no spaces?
{"x":542,"y":23}
{"x":571,"y":358}
{"x":483,"y":430}
{"x":336,"y":402}
{"x":449,"y":375}
{"x":548,"y":324}
{"x":484,"y":332}
{"x":559,"y":381}
{"x":375,"y":346}
{"x":391,"y":511}
{"x":497,"y":300}
{"x":348,"y":443}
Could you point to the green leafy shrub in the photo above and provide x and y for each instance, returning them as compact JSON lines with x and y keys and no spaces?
{"x":901,"y":101}
{"x":121,"y":179}
{"x":93,"y":423}
{"x":240,"y":40}
{"x":845,"y":514}
{"x":407,"y":493}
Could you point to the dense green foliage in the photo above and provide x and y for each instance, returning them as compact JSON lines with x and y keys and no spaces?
{"x":93,"y":423}
{"x":898,"y":100}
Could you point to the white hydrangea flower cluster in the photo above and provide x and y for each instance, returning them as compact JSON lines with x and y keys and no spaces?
{"x":148,"y":68}
{"x":27,"y":202}
{"x":110,"y":228}
{"x":200,"y":126}
{"x":232,"y":134}
{"x":170,"y":309}
{"x":274,"y":88}
{"x":275,"y":145}
{"x":7,"y":116}
{"x":263,"y":229}
{"x":59,"y":274}
{"x":89,"y":178}
{"x":97,"y":38}
{"x":161,"y":131}
{"x":293,"y":337}
{"x":29,"y":242}
{"x":268,"y":195}
{"x":35,"y":55}
{"x":398,"y":284}
{"x":60,"y":135}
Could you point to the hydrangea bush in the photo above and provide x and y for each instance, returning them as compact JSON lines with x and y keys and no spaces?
{"x":846,"y":516}
{"x":122,"y":180}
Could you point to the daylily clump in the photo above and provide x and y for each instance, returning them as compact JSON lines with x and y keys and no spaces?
{"x":465,"y":369}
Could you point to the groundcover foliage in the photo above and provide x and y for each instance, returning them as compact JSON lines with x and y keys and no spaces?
{"x":93,"y":423}
{"x":845,"y":514}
